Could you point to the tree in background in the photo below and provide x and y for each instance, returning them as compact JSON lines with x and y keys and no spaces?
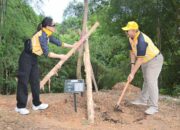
{"x":3,"y":5}
{"x":157,"y":18}
{"x":18,"y":24}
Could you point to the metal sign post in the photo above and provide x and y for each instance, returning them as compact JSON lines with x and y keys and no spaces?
{"x":75,"y":102}
{"x":74,"y":86}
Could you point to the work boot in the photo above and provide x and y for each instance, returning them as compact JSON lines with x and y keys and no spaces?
{"x":22,"y":111}
{"x":151,"y":110}
{"x":139,"y":102}
{"x":42,"y":106}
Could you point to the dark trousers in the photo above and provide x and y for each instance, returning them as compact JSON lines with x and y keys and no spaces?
{"x":28,"y":72}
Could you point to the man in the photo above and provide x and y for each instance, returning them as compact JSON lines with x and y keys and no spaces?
{"x":144,"y":53}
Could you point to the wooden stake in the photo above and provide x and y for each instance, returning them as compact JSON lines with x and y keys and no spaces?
{"x":81,"y":50}
{"x":93,"y":79}
{"x":88,"y":70}
{"x":49,"y":85}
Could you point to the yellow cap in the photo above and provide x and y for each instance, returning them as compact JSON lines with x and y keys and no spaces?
{"x":131,"y":25}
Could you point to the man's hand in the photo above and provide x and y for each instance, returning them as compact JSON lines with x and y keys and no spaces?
{"x":132,"y":67}
{"x":130,"y":77}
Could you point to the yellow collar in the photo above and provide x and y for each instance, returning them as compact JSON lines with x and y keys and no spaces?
{"x":47,"y":31}
{"x":136,"y":37}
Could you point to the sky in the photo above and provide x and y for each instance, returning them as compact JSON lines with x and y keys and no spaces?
{"x":54,"y":8}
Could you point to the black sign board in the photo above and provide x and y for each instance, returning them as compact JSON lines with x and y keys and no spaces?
{"x":74,"y":86}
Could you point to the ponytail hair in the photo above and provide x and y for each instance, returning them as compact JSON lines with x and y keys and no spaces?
{"x":39,"y":27}
{"x":47,"y":21}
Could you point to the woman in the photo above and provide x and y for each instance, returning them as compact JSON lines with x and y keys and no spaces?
{"x":28,"y":66}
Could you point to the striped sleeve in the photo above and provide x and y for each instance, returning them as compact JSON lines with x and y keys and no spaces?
{"x":141,"y":46}
{"x":44,"y":43}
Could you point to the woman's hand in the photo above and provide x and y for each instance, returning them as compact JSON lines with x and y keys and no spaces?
{"x":68,"y":45}
{"x":58,"y":56}
{"x":74,"y":44}
{"x":63,"y":57}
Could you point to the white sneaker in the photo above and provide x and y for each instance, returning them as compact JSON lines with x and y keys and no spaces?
{"x":151,"y":110}
{"x":42,"y":106}
{"x":22,"y":111}
{"x":139,"y":102}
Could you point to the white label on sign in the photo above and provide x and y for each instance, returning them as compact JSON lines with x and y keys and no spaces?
{"x":78,"y":87}
{"x":74,"y":81}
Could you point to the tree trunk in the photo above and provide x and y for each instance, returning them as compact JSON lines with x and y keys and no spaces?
{"x":177,"y":12}
{"x":81,"y":50}
{"x":2,"y":13}
{"x":159,"y":34}
{"x":69,"y":54}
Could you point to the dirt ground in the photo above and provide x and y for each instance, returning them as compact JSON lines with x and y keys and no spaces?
{"x":61,"y":116}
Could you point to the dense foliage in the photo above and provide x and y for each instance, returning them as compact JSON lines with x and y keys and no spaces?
{"x":109,"y":52}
